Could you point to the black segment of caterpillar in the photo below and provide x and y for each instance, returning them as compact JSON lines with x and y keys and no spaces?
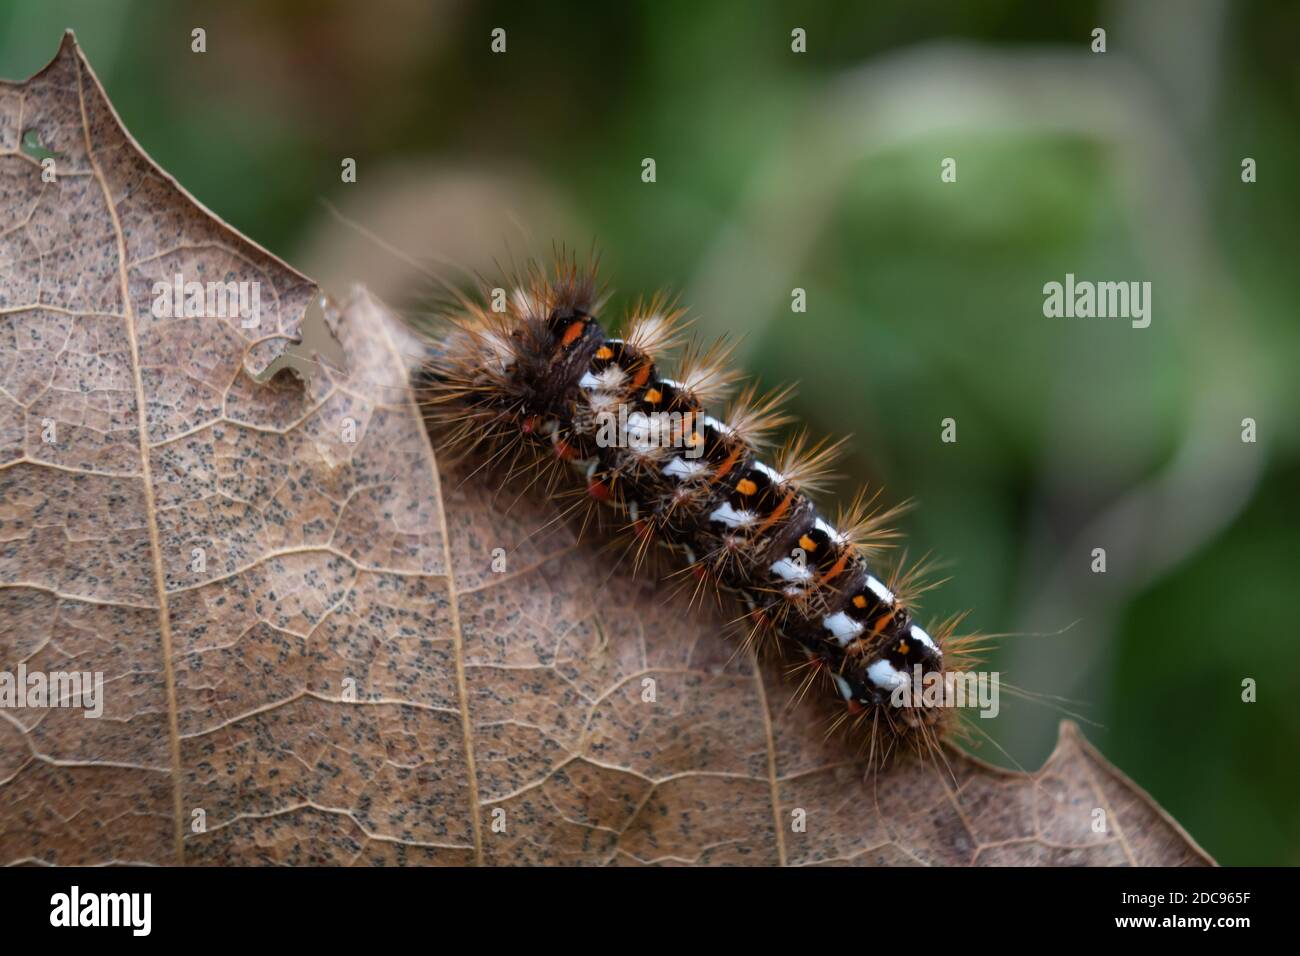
{"x":529,"y":379}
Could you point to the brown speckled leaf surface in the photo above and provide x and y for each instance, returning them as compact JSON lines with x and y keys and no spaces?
{"x":346,"y":679}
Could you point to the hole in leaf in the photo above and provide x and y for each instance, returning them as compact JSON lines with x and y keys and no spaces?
{"x":32,"y":146}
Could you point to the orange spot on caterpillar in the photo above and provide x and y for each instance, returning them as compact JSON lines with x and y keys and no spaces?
{"x":573,"y":332}
{"x":604,"y":353}
{"x":837,"y":568}
{"x":854,"y":707}
{"x":598,"y":490}
{"x":564,"y":450}
{"x":859,"y":601}
{"x":746,"y":487}
{"x":642,"y":375}
{"x":807,"y":543}
{"x":529,"y":425}
{"x":902,"y":647}
{"x":881,"y":623}
{"x":654,"y":396}
{"x":778,"y":513}
{"x":727,"y":465}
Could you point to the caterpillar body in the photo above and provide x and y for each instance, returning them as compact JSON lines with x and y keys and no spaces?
{"x":532,"y":379}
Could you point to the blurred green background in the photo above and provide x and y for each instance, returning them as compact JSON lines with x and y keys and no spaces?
{"x":778,"y":170}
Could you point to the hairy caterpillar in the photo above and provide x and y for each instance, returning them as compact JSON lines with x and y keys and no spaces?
{"x":530,"y":379}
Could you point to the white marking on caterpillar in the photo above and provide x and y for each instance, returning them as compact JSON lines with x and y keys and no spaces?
{"x":845,"y":688}
{"x":885,"y":675}
{"x":789,"y":571}
{"x":682,"y":470}
{"x":639,"y":433}
{"x":924,"y":638}
{"x":842,"y":627}
{"x":716,"y":425}
{"x":732,"y":518}
{"x":885,"y":595}
{"x":606,"y":380}
{"x":776,"y":477}
{"x":830,"y":532}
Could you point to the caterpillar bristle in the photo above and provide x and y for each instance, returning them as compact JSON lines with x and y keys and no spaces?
{"x":529,"y":384}
{"x":809,"y":464}
{"x":867,"y":524}
{"x":705,"y":372}
{"x":656,"y":327}
{"x":910,"y":580}
{"x":753,"y":417}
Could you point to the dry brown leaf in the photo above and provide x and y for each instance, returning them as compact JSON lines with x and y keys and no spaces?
{"x":334,"y":565}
